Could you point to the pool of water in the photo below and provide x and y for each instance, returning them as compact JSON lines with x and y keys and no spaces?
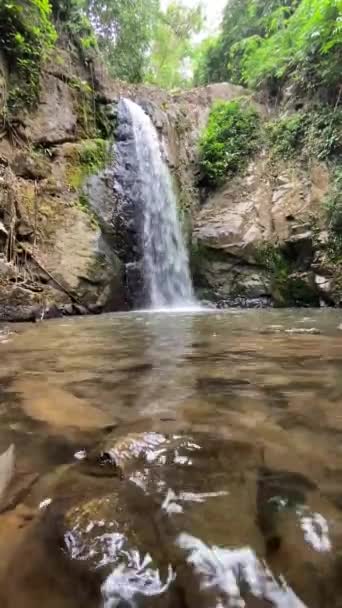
{"x":177,"y":460}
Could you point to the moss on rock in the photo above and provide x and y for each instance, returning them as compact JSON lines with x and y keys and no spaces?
{"x":84,"y":159}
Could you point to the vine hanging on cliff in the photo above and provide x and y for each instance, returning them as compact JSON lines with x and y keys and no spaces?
{"x":26,"y":37}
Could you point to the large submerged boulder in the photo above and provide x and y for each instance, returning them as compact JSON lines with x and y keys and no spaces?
{"x":155,"y":519}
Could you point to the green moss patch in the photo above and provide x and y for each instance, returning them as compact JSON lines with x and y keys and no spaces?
{"x":86,"y":159}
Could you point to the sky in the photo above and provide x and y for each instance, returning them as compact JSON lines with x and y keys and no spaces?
{"x":213,"y":9}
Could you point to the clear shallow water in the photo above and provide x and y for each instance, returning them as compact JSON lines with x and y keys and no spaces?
{"x":225,"y":430}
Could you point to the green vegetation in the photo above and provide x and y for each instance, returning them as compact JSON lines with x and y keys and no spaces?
{"x":261,"y":43}
{"x":286,"y":135}
{"x":228,"y":140}
{"x":84,"y":205}
{"x":269,"y":43}
{"x":334,"y":204}
{"x":93,"y":155}
{"x":86,"y":159}
{"x":138,"y":40}
{"x":288,"y":287}
{"x":124,"y":30}
{"x":314,"y":134}
{"x":26,"y":37}
{"x":172,"y":46}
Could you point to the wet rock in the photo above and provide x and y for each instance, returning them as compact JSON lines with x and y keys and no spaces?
{"x":51,"y":578}
{"x":13,"y":527}
{"x":20,"y":313}
{"x":136,"y":292}
{"x":241,"y":302}
{"x":279,"y":490}
{"x":190,"y":522}
{"x":324,"y":285}
{"x":299,"y":247}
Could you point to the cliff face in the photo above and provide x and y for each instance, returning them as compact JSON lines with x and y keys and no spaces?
{"x":263,"y":238}
{"x":64,"y":244}
{"x":53,"y":257}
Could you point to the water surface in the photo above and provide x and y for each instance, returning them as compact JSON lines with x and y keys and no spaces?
{"x":225,"y":432}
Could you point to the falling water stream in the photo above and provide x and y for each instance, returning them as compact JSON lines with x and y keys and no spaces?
{"x":165,"y":260}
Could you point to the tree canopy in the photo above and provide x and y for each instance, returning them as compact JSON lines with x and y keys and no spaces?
{"x":260,"y":44}
{"x":172,"y":46}
{"x":138,"y":40}
{"x":124,"y":31}
{"x":268,"y":42}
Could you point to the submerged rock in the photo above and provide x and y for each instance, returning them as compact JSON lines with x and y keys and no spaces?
{"x":191,"y":521}
{"x":58,"y":408}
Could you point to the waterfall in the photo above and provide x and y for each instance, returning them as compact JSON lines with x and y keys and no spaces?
{"x":164,"y":257}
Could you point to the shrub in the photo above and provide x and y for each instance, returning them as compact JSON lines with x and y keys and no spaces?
{"x":26,"y":36}
{"x":288,"y":287}
{"x":315,"y":133}
{"x":324,"y":133}
{"x":286,"y":134}
{"x":228,"y":140}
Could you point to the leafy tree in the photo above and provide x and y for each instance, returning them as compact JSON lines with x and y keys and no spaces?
{"x":241,"y":19}
{"x":307,"y":48}
{"x":269,"y":42}
{"x":206,"y":61}
{"x":172,"y":48}
{"x":124,"y":30}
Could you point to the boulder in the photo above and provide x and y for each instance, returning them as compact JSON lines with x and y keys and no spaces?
{"x":155,"y":519}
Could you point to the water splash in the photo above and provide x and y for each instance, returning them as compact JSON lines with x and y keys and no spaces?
{"x":165,"y":260}
{"x":225,"y":572}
